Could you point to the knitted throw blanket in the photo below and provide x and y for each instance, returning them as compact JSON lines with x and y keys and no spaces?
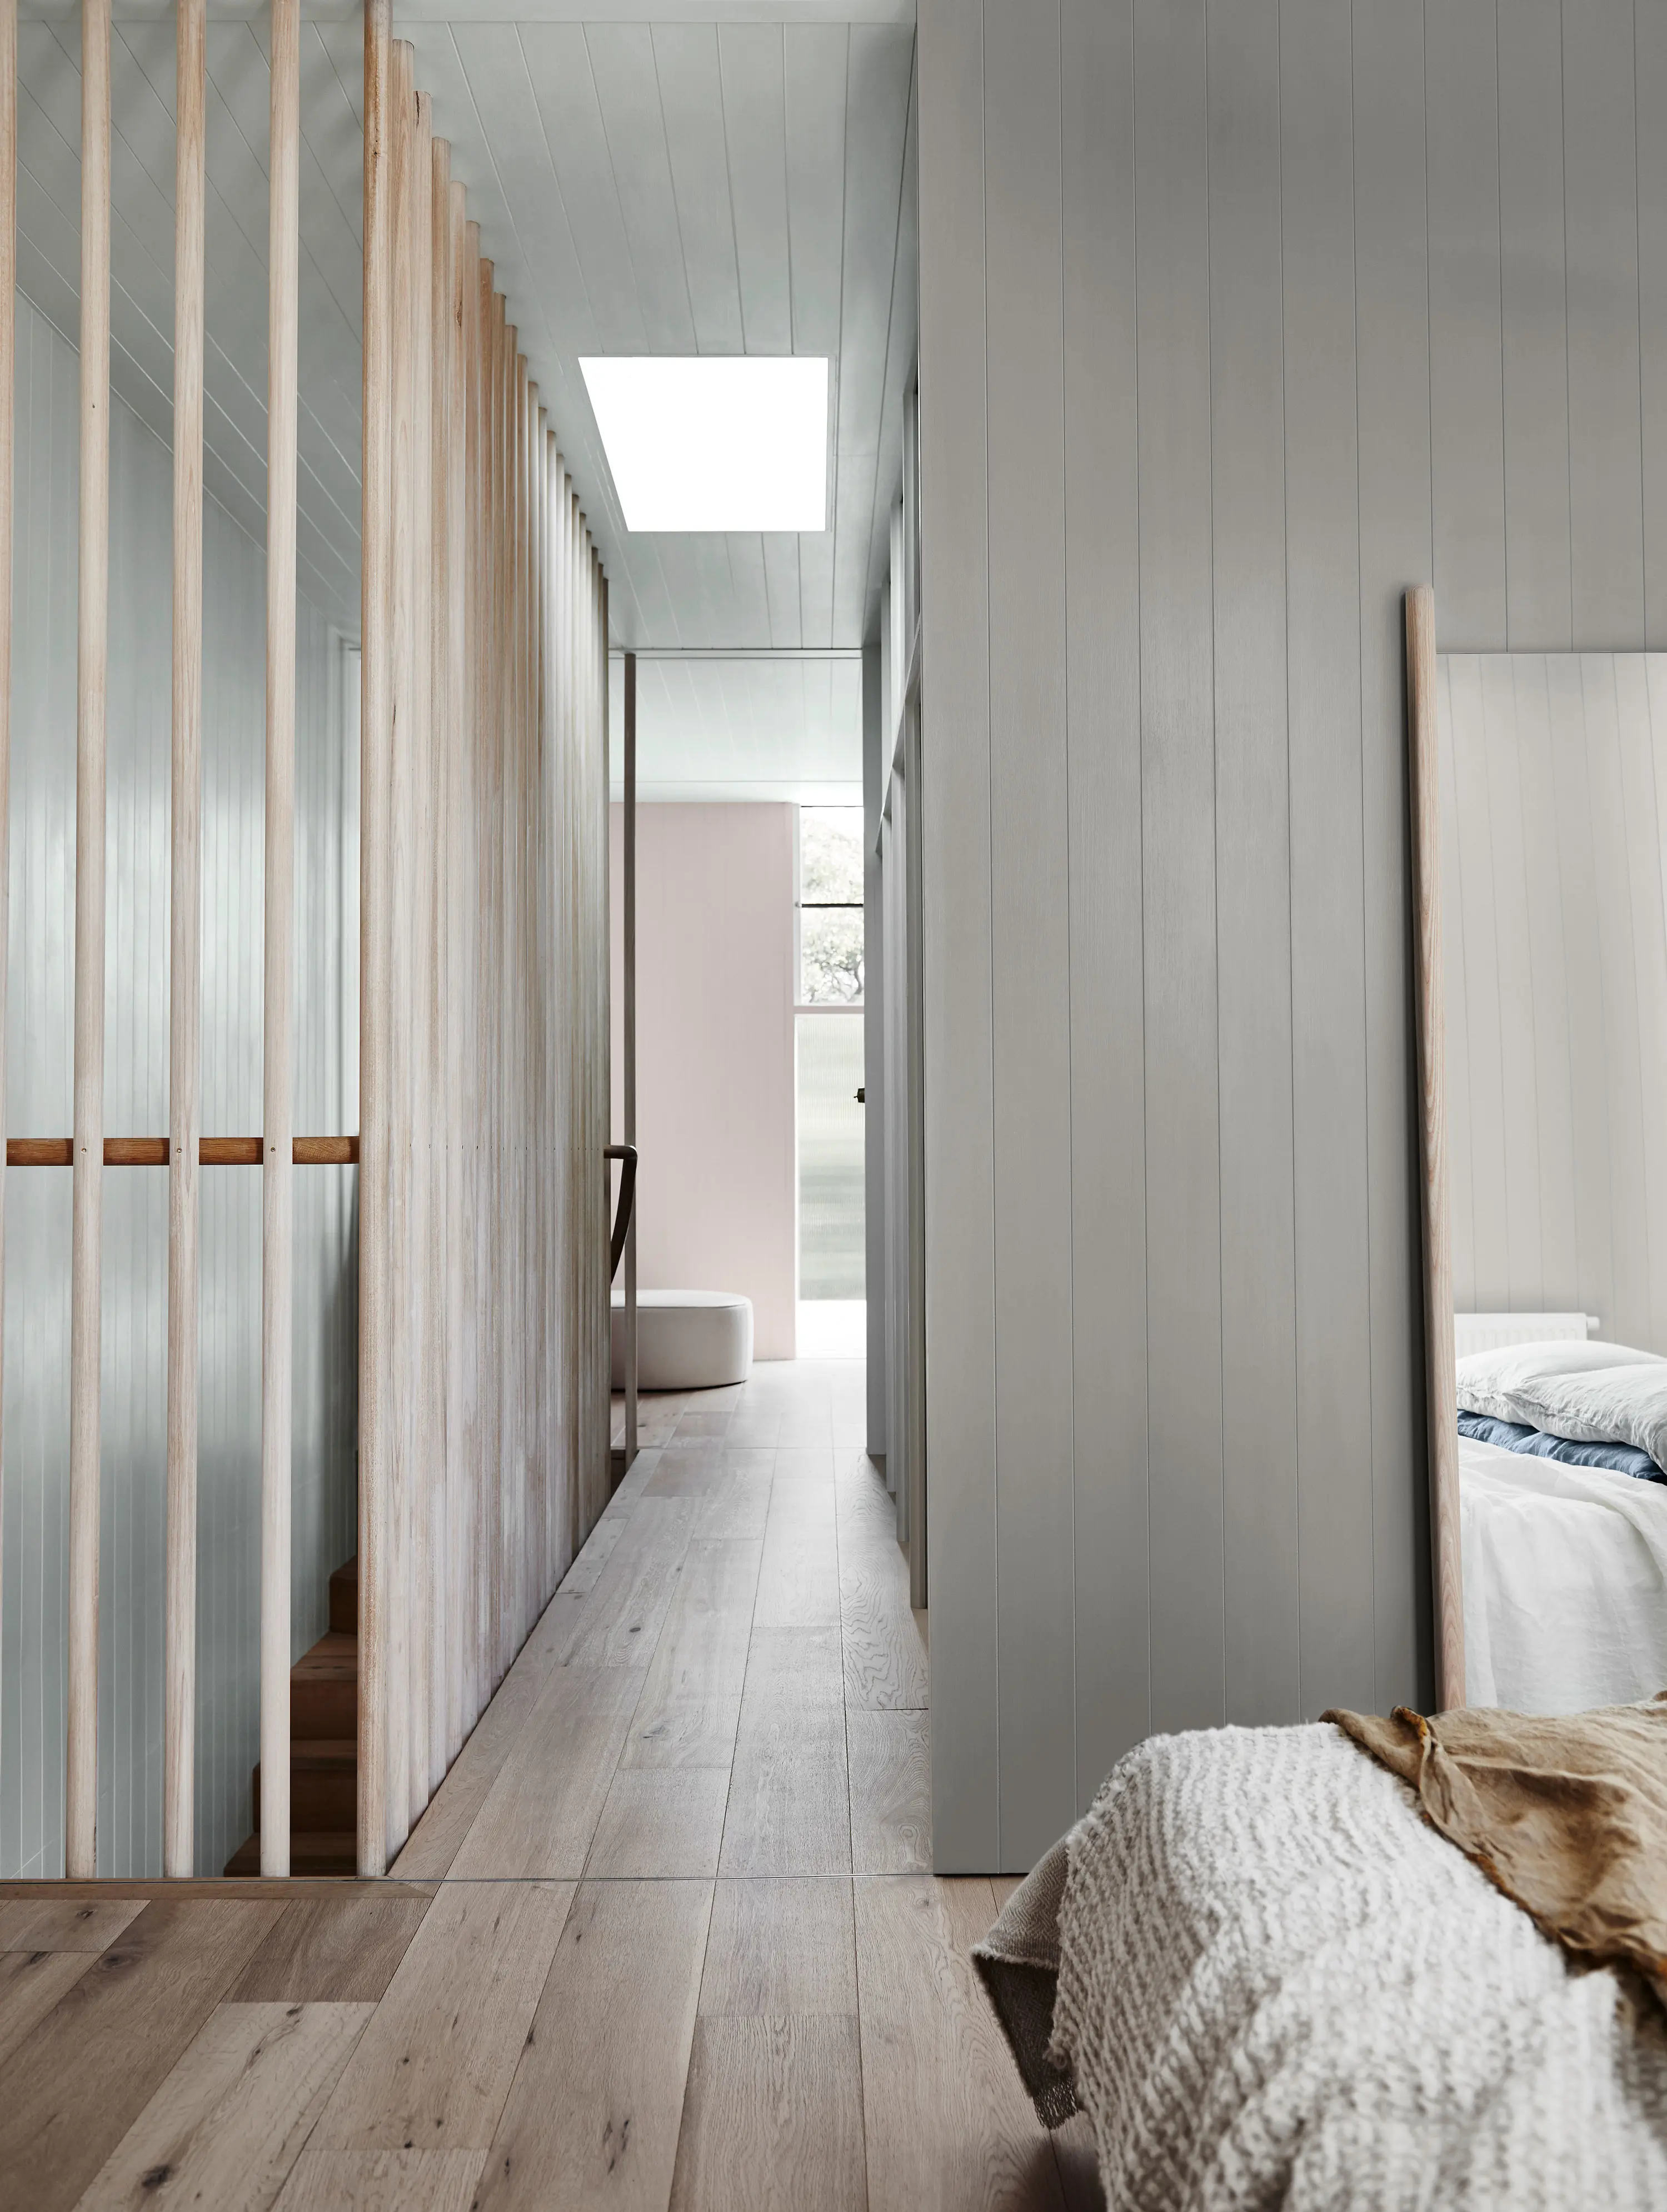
{"x":1567,"y":1815}
{"x":1279,"y":1985}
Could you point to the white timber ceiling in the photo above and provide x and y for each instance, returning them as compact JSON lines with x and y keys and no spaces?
{"x":687,"y":187}
{"x":713,"y":725}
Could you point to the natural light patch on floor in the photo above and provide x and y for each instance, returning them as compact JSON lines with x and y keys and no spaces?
{"x":832,"y":1328}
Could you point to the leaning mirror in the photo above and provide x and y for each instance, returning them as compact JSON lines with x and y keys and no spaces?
{"x":1539,"y":787}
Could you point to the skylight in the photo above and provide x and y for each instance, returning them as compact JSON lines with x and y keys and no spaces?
{"x":716,"y":443}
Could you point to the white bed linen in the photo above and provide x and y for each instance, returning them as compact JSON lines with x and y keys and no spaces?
{"x":1565,"y":1582}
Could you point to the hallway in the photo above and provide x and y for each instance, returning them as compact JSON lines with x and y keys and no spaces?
{"x":665,"y":1935}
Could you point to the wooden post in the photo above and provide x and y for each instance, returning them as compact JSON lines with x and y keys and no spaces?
{"x":376,"y":742}
{"x":628,"y":1082}
{"x":8,"y":387}
{"x":283,"y":272}
{"x":1440,"y":1381}
{"x":401,"y":1013}
{"x":184,"y":946}
{"x":93,"y":644}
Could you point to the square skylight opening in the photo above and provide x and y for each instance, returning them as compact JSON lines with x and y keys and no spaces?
{"x":716,"y":441}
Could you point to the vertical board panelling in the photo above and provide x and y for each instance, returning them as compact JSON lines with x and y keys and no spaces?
{"x":1178,"y":795}
{"x":444,"y":743}
{"x":1254,"y":877}
{"x":1484,"y":1102}
{"x":955,"y":951}
{"x":1328,"y":960}
{"x":1512,"y":997}
{"x":184,"y":944}
{"x":1637,"y":857}
{"x":278,"y":1089}
{"x":93,"y":602}
{"x":1605,"y":455}
{"x":1650,"y":101}
{"x":1471,"y":251}
{"x":1588,"y":1074}
{"x":1107,"y":1075}
{"x":1030,"y":923}
{"x":1622,"y":1093}
{"x":1533,"y":275}
{"x":1391,"y":310}
{"x":1549,"y":1093}
{"x":1467,"y":433}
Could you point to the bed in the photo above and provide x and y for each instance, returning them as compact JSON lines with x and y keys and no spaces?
{"x":1277,"y":1985}
{"x":1565,"y":1565}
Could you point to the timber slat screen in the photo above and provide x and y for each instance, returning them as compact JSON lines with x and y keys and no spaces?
{"x":483,"y":1323}
{"x":483,"y":1107}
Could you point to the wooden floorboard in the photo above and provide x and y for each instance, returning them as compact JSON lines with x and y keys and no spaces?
{"x":773,"y":2118}
{"x":337,"y":1950}
{"x":598,"y":2094}
{"x":948,"y":2125}
{"x":665,"y":1935}
{"x":229,"y":2122}
{"x":75,"y":2084}
{"x":53,"y":1923}
{"x":431,"y":2070}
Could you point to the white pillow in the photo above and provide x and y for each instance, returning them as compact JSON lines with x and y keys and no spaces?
{"x":1588,"y":1393}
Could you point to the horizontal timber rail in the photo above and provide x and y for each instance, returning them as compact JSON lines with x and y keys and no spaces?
{"x":152,"y":1152}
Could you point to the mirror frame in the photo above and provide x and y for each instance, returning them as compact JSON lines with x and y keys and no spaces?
{"x":1440,"y":1379}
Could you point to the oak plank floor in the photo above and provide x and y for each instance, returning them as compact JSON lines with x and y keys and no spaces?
{"x":665,"y":1936}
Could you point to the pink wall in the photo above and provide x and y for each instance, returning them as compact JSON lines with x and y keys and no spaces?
{"x":715,"y":1192}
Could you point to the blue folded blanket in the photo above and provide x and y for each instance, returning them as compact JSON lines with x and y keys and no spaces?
{"x":1618,"y":1459}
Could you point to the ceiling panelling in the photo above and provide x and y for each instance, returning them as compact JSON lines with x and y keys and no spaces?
{"x":761,"y":727}
{"x":680,"y":187}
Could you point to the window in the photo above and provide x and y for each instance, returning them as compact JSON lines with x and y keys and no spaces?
{"x":830,"y":906}
{"x":829,"y":1027}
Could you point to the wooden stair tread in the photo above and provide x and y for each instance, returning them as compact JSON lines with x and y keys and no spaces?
{"x":333,"y":1658}
{"x":333,"y":1851}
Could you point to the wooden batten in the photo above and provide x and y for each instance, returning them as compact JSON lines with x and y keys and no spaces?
{"x":1441,"y":1385}
{"x":92,"y":646}
{"x":184,"y":946}
{"x":8,"y":444}
{"x":486,"y":933}
{"x":376,"y":1377}
{"x":277,"y":1242}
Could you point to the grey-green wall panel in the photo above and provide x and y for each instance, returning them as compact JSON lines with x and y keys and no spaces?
{"x":1303,"y":198}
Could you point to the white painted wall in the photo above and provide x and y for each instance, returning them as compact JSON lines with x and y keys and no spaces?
{"x":39,"y":1068}
{"x":716,"y":1190}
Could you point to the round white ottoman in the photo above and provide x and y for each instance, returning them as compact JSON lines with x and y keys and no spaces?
{"x":686,"y":1340}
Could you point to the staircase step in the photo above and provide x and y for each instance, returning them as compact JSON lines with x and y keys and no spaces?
{"x":344,"y":1598}
{"x":329,"y":1853}
{"x":323,"y":1691}
{"x":324,"y":1795}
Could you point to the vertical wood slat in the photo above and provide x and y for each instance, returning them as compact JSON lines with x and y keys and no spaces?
{"x":493,"y":1390}
{"x":81,"y":1807}
{"x":376,"y":737}
{"x":184,"y":945}
{"x":1441,"y":1381}
{"x":277,"y":1233}
{"x":444,"y":739}
{"x":402,"y":631}
{"x":8,"y":401}
{"x":628,"y":1041}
